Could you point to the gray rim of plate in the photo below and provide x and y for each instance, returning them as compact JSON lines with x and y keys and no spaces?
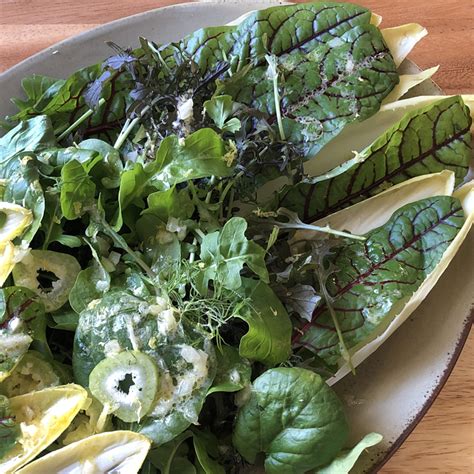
{"x":65,"y":54}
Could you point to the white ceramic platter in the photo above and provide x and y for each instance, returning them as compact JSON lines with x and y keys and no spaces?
{"x":395,"y":386}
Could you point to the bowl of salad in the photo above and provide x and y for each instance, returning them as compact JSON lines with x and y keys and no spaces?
{"x":211,"y":236}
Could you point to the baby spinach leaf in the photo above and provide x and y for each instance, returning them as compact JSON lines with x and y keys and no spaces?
{"x":90,"y":285}
{"x":170,"y":203}
{"x":169,"y":458}
{"x":30,"y":135}
{"x":269,"y":334}
{"x":22,"y":321}
{"x":345,"y":461}
{"x":77,"y":190}
{"x":10,"y":431}
{"x":120,"y":321}
{"x":427,"y":140}
{"x":199,"y":155}
{"x":376,"y":278}
{"x":294,"y":419}
{"x":225,"y":252}
{"x":233,"y":371}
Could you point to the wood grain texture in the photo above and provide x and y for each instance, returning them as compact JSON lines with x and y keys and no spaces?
{"x":444,"y":440}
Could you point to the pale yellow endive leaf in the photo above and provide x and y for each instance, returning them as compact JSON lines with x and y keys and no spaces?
{"x":15,"y":219}
{"x":402,"y":39}
{"x":118,"y":452}
{"x":43,"y":416}
{"x":407,"y":82}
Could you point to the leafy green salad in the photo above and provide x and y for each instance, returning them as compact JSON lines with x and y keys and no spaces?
{"x":199,"y":238}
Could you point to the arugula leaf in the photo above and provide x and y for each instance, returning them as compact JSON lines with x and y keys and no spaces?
{"x":225,"y":252}
{"x":199,"y":155}
{"x":345,"y":461}
{"x":376,"y":278}
{"x":22,"y":321}
{"x":219,"y":108}
{"x":292,"y":417}
{"x":51,"y":224}
{"x":269,"y":334}
{"x":426,"y":140}
{"x":39,"y":90}
{"x":77,"y":190}
{"x":170,"y":203}
{"x":233,"y":371}
{"x":30,"y":135}
{"x":10,"y":431}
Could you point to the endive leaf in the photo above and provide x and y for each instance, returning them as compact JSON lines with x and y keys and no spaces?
{"x":465,"y":195}
{"x":402,"y":39}
{"x":357,"y":136}
{"x":427,"y":140}
{"x":378,"y":277}
{"x":42,"y":417}
{"x":345,"y":461}
{"x":407,"y":82}
{"x":121,"y":452}
{"x":14,"y":220}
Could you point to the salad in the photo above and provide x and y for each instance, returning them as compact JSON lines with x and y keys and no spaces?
{"x":198,"y":239}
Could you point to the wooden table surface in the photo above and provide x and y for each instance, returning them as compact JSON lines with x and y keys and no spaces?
{"x":444,"y":440}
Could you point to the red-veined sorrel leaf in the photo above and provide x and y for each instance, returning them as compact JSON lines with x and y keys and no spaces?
{"x":374,"y":279}
{"x":425,"y":141}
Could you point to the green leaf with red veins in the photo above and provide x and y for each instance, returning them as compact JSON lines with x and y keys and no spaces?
{"x":427,"y":140}
{"x":22,"y":320}
{"x":334,"y":67}
{"x":375,"y":279}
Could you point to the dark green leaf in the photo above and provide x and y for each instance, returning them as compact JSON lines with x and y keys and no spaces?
{"x":200,"y":155}
{"x":170,"y":203}
{"x":90,"y":285}
{"x":39,"y":90}
{"x":292,"y":417}
{"x":207,"y":463}
{"x":30,"y":135}
{"x":233,"y":372}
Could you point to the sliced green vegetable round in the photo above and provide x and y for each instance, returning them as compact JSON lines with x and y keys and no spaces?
{"x":51,"y":275}
{"x":126,"y":382}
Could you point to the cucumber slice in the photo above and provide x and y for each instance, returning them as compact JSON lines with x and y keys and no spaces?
{"x":51,"y":275}
{"x":127,"y":383}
